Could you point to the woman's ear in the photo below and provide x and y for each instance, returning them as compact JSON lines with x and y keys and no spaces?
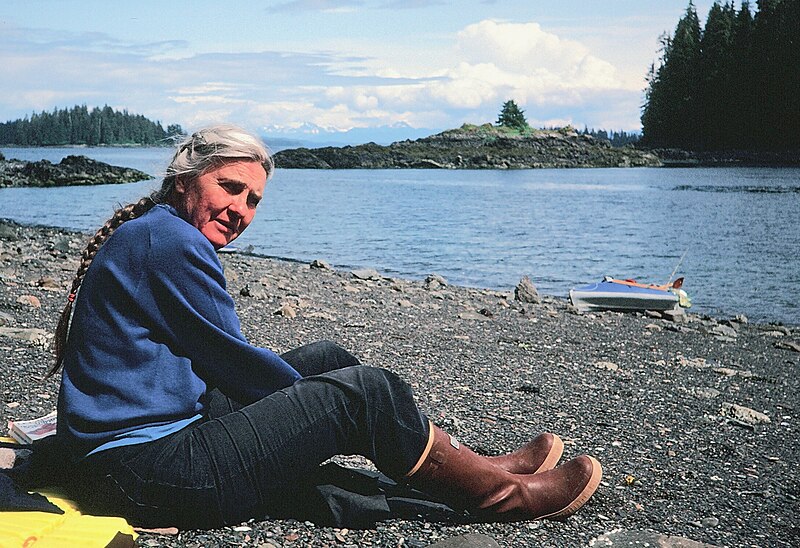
{"x":180,"y":185}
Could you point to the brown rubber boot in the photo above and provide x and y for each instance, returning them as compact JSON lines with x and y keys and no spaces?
{"x":538,"y":455}
{"x":455,"y":473}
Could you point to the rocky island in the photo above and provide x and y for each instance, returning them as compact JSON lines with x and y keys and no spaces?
{"x":72,"y":170}
{"x":475,"y":147}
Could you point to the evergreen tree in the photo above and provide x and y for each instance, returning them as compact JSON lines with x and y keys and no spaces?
{"x":673,"y":87}
{"x":175,"y":130}
{"x":746,"y":90}
{"x":616,"y":138}
{"x":776,"y":42}
{"x":713,"y":98}
{"x":762,"y":64}
{"x":512,"y":117}
{"x":741,"y":92}
{"x":654,"y":110}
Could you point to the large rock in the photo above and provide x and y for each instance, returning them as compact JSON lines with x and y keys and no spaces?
{"x":366,"y":274}
{"x":526,"y":292}
{"x":627,"y":538}
{"x":435,"y":281}
{"x":743,"y":414}
{"x":29,"y":334}
{"x":320,"y":264}
{"x":468,"y":540}
{"x":788,"y":345}
{"x":676,"y":315}
{"x":8,"y":230}
{"x":724,"y":331}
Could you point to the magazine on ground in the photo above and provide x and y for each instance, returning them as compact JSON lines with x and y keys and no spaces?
{"x":27,"y":432}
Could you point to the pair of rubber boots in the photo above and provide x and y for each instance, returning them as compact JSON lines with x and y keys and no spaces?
{"x":522,"y":485}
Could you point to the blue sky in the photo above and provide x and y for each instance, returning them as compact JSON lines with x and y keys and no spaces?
{"x":335,"y":63}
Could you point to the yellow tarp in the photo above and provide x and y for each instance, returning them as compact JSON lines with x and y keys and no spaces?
{"x":67,"y":530}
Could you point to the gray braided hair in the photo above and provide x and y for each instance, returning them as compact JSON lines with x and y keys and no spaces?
{"x":203,"y":150}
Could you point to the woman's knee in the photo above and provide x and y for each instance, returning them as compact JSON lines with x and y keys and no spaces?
{"x":319,"y":357}
{"x":357,"y":387}
{"x":376,"y":382}
{"x":337,"y":353}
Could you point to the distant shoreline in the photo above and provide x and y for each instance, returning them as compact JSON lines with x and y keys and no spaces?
{"x":731,"y":158}
{"x":669,"y":158}
{"x":84,"y":145}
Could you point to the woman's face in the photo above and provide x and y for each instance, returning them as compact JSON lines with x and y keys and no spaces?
{"x":221,"y":202}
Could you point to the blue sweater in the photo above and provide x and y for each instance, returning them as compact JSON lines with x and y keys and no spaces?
{"x":153,"y":331}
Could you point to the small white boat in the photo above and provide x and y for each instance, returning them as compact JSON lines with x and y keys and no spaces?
{"x":622,"y":295}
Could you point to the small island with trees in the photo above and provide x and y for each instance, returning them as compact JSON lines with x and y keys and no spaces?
{"x":510,"y":144}
{"x":81,"y":126}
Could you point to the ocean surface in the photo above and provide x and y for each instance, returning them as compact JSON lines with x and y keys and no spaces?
{"x":737,"y":229}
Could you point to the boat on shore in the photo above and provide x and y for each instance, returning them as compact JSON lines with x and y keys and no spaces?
{"x":629,"y":295}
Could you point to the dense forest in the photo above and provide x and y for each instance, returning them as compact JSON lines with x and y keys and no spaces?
{"x":81,"y":126}
{"x":733,"y":85}
{"x":616,"y":138}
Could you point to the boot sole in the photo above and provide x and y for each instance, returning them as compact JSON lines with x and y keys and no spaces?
{"x":553,"y":456}
{"x":585,"y":494}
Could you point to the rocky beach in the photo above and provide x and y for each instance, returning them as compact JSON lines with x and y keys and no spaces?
{"x":695,"y":419}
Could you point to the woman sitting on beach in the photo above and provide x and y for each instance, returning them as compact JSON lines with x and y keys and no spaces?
{"x":170,"y":416}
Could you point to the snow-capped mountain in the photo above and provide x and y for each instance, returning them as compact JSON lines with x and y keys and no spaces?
{"x":312,"y":136}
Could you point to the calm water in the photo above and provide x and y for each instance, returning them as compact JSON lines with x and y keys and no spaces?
{"x":738,"y":226}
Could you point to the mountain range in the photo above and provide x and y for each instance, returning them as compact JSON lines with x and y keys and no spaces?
{"x":310,"y":135}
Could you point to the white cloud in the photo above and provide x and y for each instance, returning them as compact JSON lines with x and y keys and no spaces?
{"x":558,"y":80}
{"x":487,"y":63}
{"x":206,"y":99}
{"x":410,"y":4}
{"x":210,"y":87}
{"x":517,"y":46}
{"x":325,"y":6}
{"x":525,"y":50}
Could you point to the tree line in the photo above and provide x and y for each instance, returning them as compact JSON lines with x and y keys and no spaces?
{"x":616,"y":138}
{"x":81,"y":126}
{"x":732,"y":85}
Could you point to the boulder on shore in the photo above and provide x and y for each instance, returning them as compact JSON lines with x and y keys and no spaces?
{"x":526,"y":292}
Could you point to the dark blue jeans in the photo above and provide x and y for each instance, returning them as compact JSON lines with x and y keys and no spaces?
{"x":250,"y":461}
